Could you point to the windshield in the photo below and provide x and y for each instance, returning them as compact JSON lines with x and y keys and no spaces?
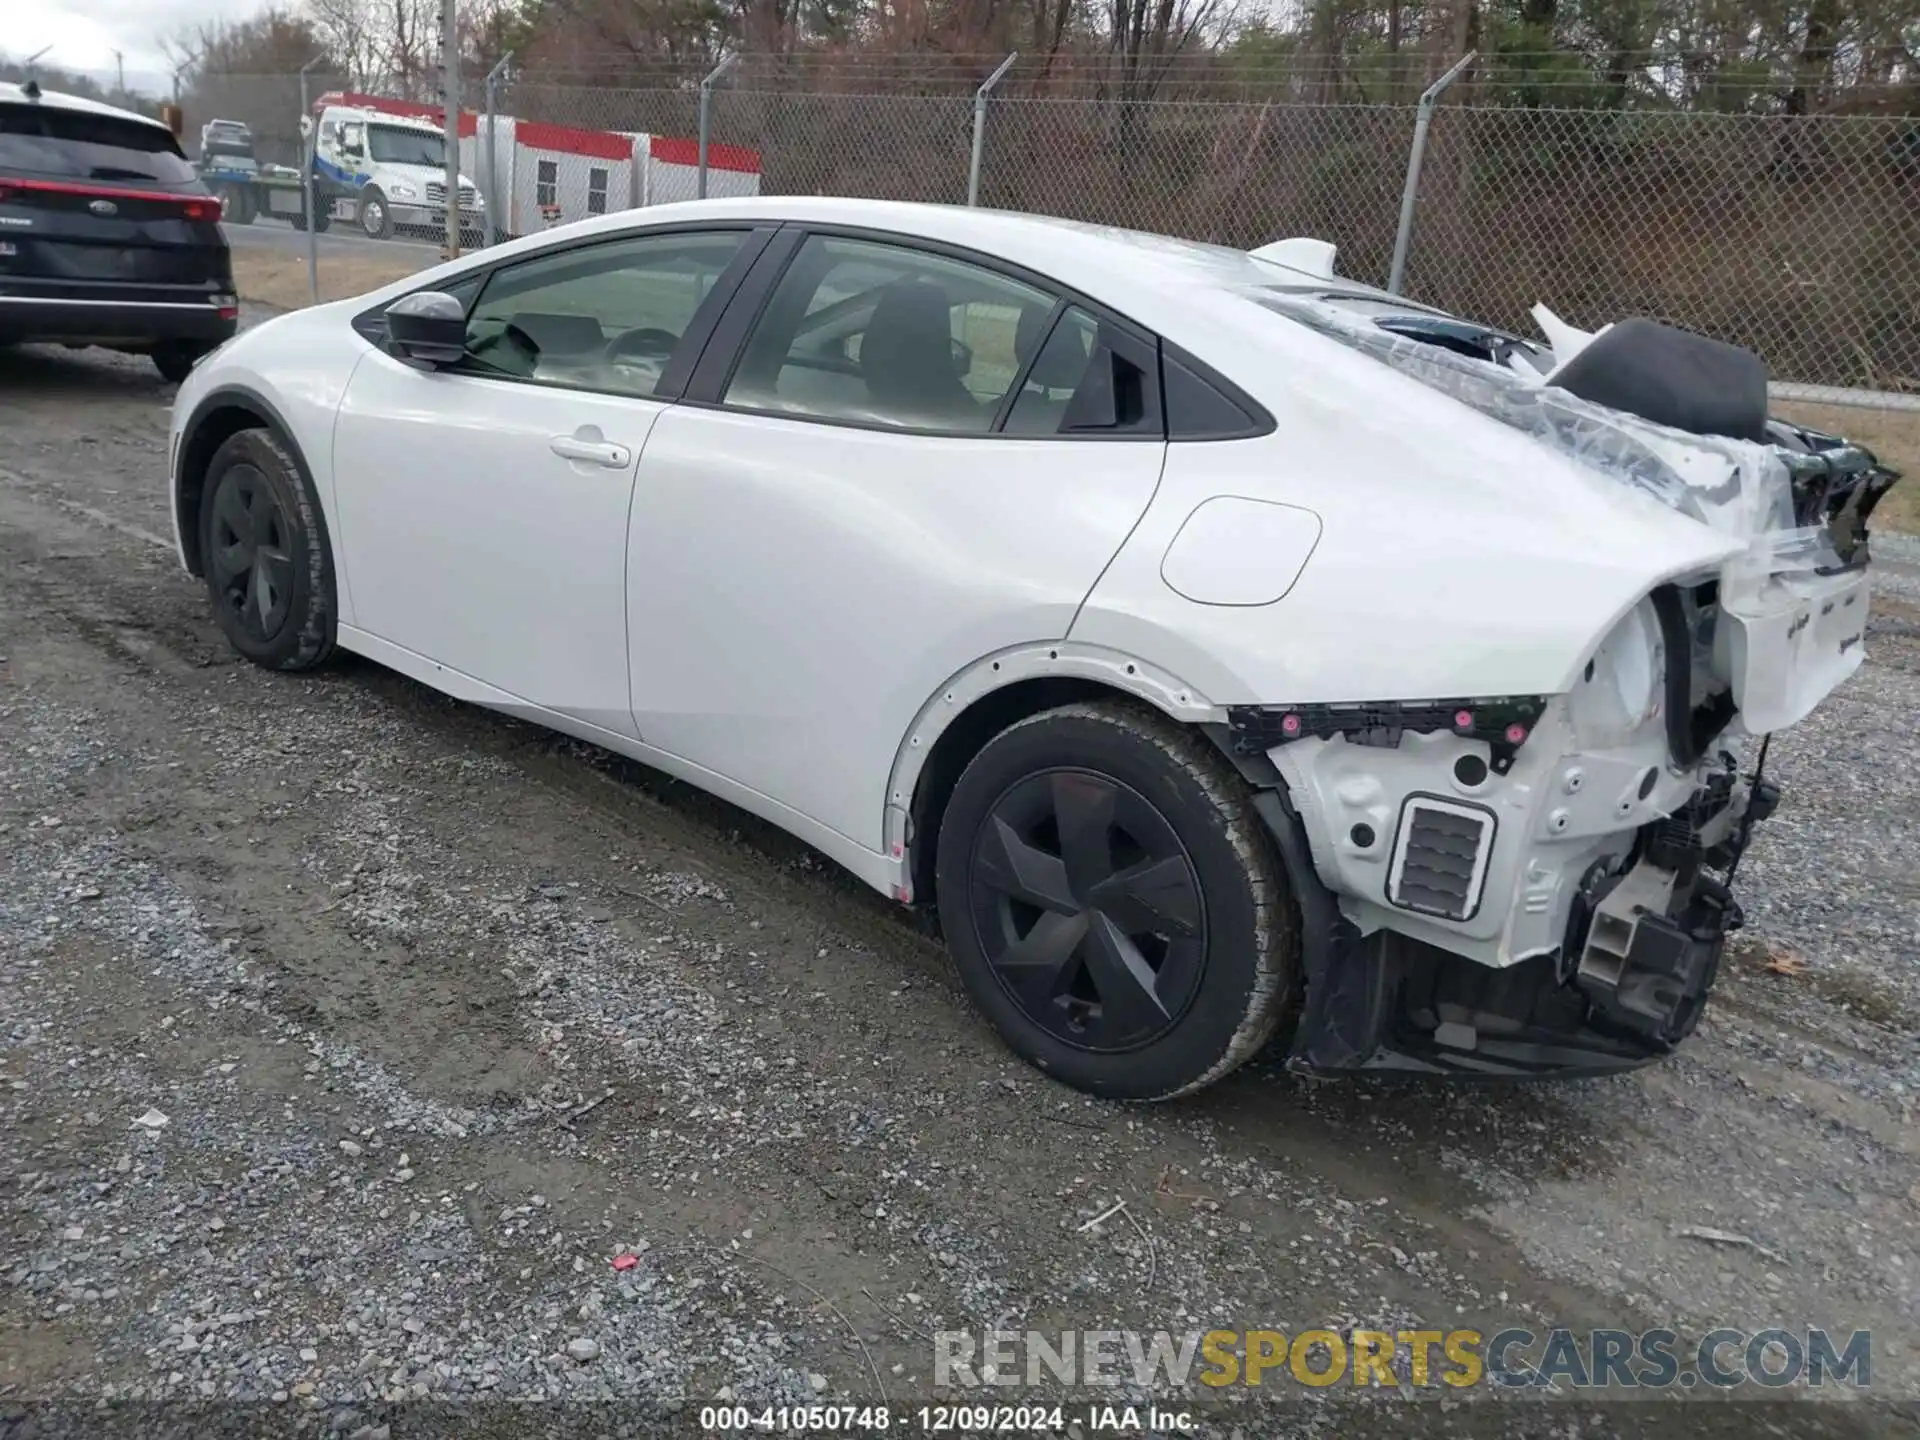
{"x":391,"y":145}
{"x":75,"y":145}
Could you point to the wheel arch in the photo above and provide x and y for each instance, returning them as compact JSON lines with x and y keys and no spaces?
{"x":219,"y":416}
{"x":983,"y":699}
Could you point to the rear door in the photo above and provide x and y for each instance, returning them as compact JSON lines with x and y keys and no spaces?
{"x":918,"y":458}
{"x":102,"y":207}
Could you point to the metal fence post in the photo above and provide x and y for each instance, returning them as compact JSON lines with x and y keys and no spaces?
{"x":980,"y":126}
{"x":706,"y":118}
{"x":1422,"y":119}
{"x":493,"y":158}
{"x":450,"y":116}
{"x":309,"y":135}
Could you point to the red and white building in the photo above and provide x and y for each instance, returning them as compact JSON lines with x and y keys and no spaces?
{"x":545,"y":174}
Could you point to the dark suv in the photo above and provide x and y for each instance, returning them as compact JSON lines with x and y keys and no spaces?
{"x":107,"y":236}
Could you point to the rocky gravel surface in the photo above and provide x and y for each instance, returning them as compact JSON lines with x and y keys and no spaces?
{"x":367,"y":1058}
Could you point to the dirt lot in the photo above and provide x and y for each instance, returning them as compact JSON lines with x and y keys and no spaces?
{"x":277,"y":279}
{"x":444,"y":1015}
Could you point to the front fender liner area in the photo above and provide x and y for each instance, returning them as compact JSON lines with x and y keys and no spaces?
{"x":220,"y":415}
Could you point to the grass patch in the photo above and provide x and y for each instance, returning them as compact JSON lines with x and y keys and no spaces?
{"x":1893,"y":435}
{"x":269,"y":277}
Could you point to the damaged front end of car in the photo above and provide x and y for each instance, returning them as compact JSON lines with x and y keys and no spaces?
{"x":1543,"y":884}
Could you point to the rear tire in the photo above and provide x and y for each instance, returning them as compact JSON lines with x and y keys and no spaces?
{"x":264,"y":552}
{"x":175,"y":362}
{"x":1113,"y":903}
{"x":237,"y":205}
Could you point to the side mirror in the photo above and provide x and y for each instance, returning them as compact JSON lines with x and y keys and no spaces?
{"x":427,"y":329}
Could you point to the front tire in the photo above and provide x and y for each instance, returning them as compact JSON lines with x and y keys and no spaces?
{"x":1113,"y":904}
{"x":374,"y":214}
{"x":263,"y":548}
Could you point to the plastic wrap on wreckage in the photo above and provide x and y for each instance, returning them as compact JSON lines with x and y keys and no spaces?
{"x":1740,"y":488}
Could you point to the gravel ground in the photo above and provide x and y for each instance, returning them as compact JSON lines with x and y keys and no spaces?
{"x":361,"y":1052}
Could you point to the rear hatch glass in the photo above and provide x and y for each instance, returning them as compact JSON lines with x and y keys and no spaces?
{"x":88,"y":199}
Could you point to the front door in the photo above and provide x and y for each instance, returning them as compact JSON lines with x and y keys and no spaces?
{"x":483,"y":509}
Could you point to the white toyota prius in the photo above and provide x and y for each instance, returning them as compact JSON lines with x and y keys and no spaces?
{"x":1218,"y":650}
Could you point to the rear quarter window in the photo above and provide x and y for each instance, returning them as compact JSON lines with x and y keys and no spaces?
{"x":42,"y":140}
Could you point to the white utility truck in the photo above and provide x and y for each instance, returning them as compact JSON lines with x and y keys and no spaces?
{"x":385,"y":171}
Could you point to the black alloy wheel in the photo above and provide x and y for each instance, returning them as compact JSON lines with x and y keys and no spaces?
{"x":264,"y":553}
{"x":250,"y":554}
{"x":1113,"y":903}
{"x":1088,"y":910}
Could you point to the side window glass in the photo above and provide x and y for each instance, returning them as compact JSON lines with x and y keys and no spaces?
{"x":1087,"y":378}
{"x":1058,"y":370}
{"x":601,"y":317}
{"x":883,"y":334}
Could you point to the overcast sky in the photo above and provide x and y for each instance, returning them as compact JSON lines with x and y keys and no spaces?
{"x":85,"y":33}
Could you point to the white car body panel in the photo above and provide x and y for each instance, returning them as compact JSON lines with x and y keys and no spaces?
{"x":468,"y":541}
{"x":1236,"y":551}
{"x":298,"y":363}
{"x":791,"y":613}
{"x":840,"y":577}
{"x":1365,"y":619}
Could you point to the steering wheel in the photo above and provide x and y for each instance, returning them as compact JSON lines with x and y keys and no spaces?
{"x":646,"y":343}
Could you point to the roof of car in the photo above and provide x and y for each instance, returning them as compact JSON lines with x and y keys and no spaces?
{"x":58,"y":100}
{"x":1043,"y":242}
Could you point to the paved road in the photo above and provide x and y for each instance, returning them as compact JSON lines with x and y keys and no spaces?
{"x":266,"y":234}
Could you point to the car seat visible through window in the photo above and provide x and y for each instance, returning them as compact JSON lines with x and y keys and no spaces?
{"x":907,"y":361}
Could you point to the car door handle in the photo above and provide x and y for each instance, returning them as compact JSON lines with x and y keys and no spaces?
{"x":591,"y":452}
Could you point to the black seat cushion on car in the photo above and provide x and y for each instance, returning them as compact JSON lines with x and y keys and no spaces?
{"x":1672,"y":377}
{"x":906,"y":355}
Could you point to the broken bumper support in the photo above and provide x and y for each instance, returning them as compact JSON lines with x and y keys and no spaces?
{"x":1631,"y":982}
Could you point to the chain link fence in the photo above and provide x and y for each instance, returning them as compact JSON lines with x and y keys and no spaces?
{"x":1234,"y":174}
{"x":1798,"y":236}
